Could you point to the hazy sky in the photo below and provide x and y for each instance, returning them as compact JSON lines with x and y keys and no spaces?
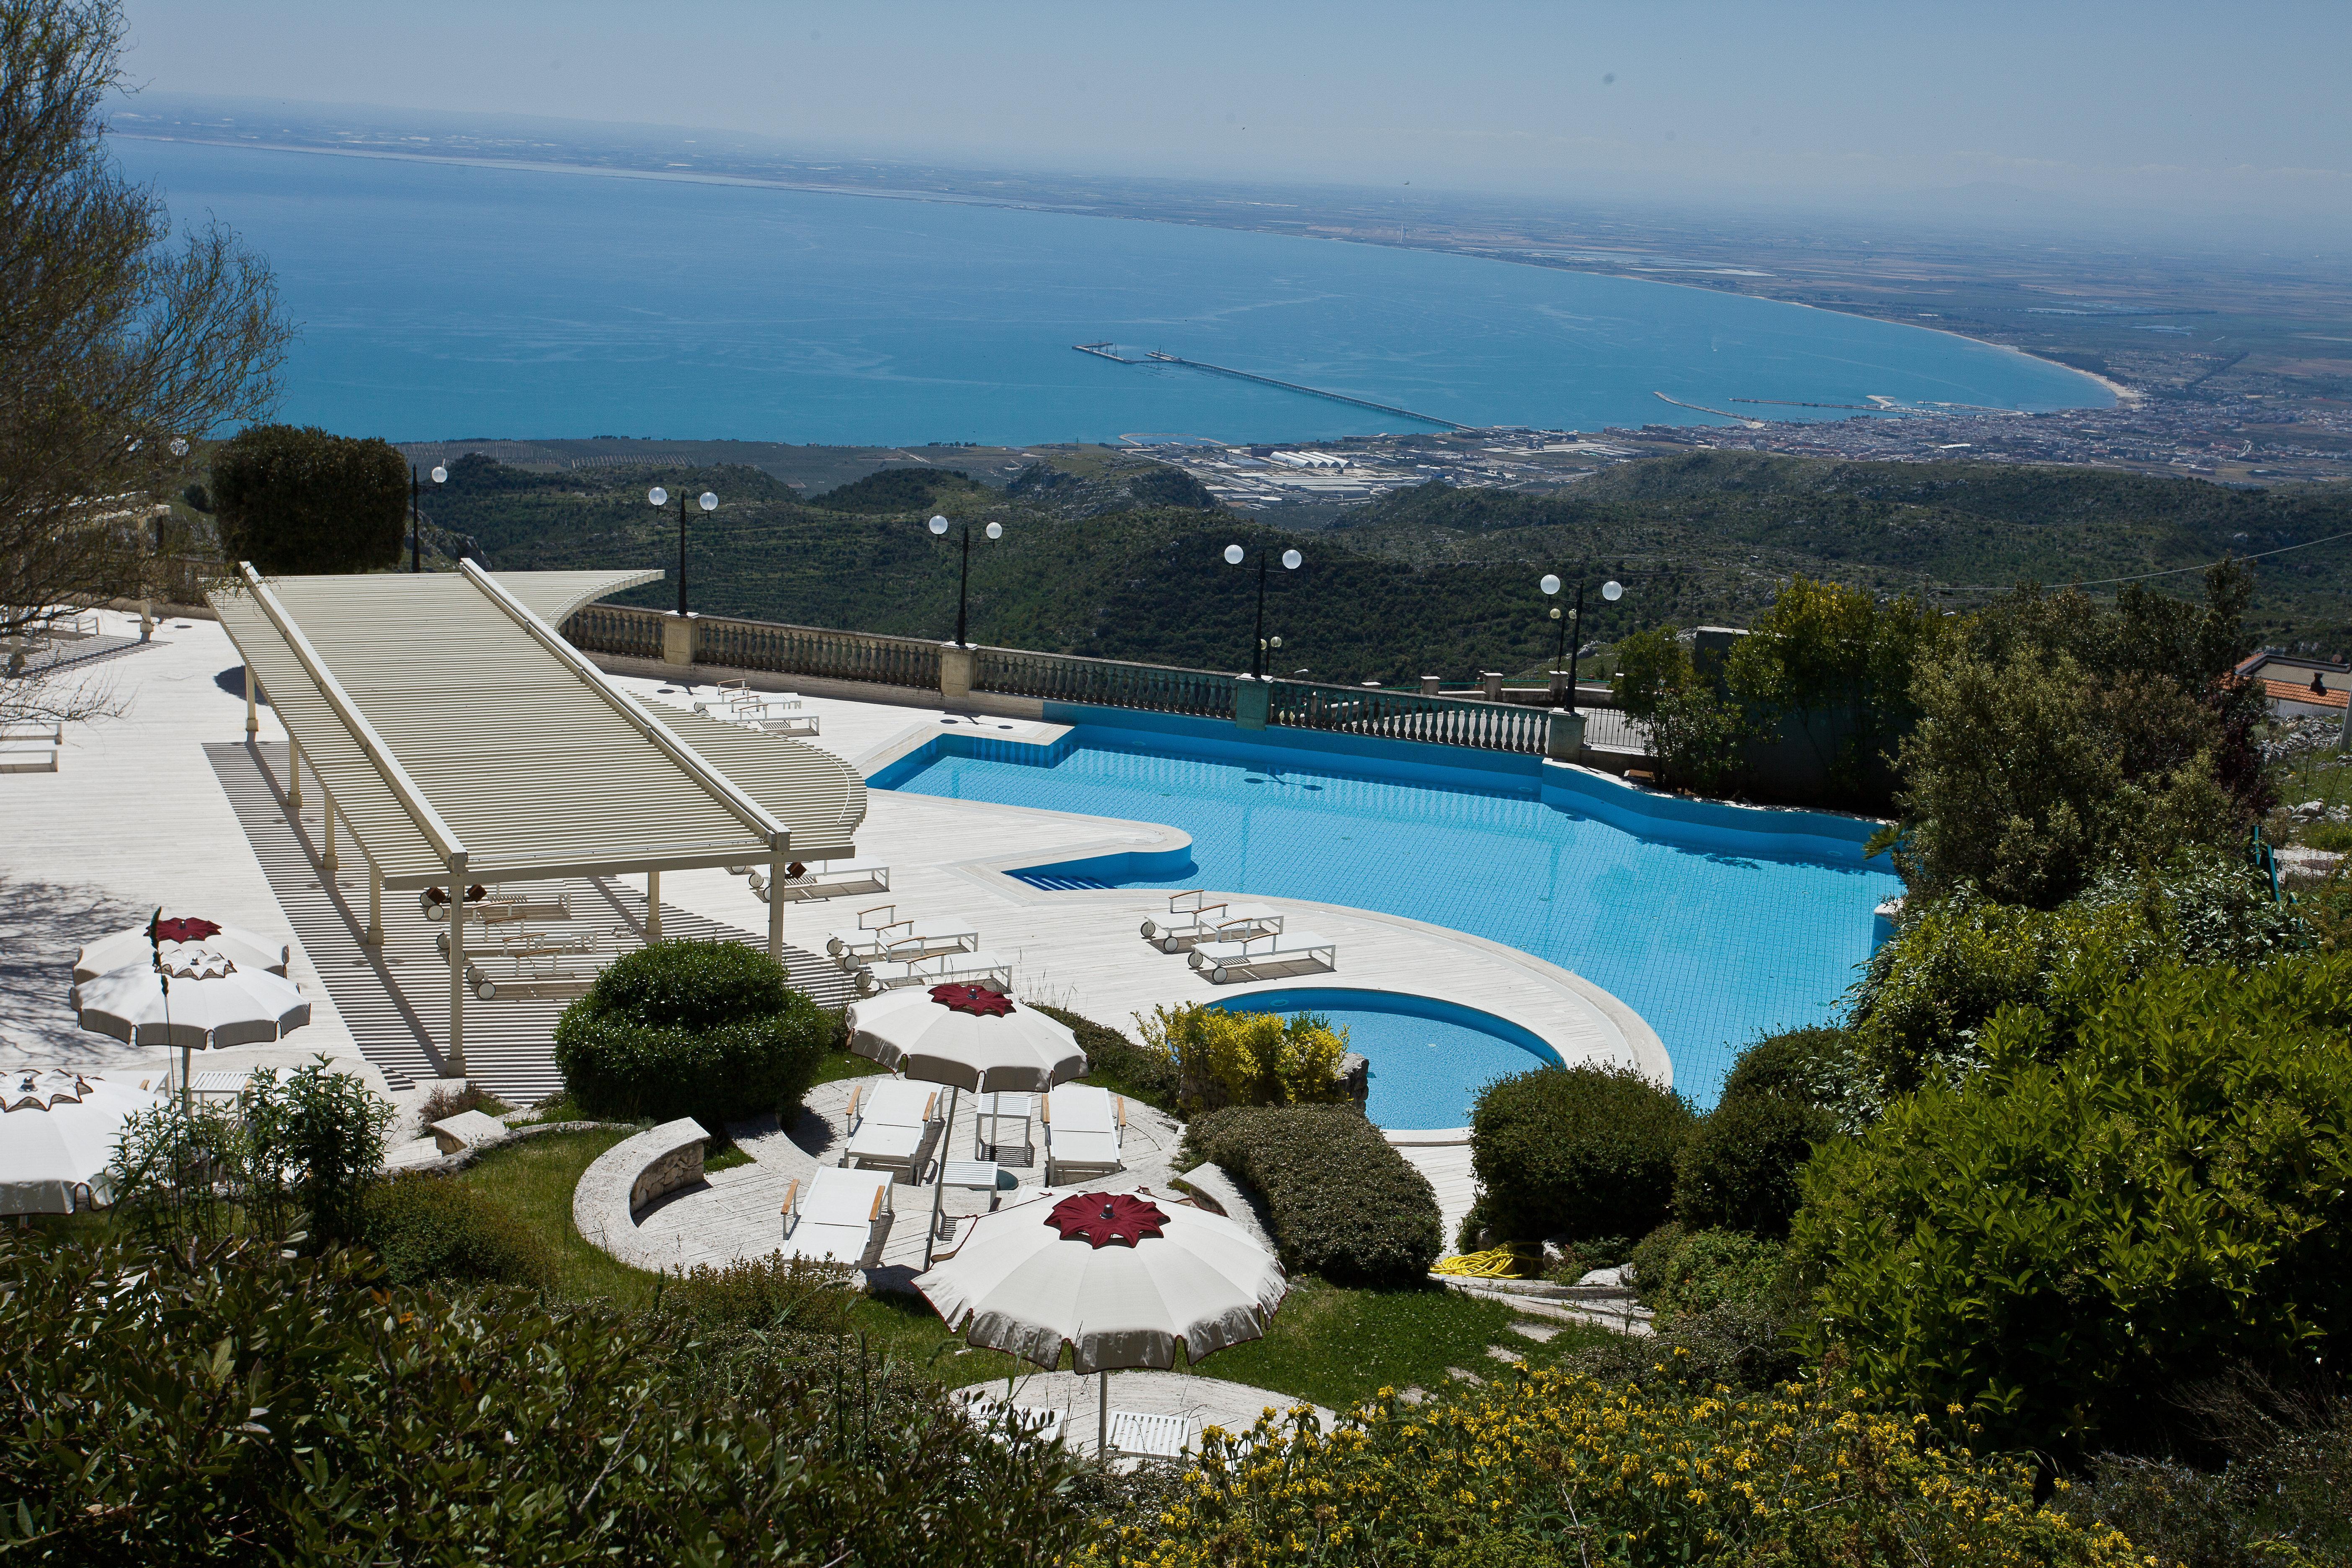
{"x":2156,"y":105}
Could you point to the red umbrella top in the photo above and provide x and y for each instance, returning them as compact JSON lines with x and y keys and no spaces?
{"x":976,"y":1000}
{"x":189,"y":929}
{"x":1102,"y":1218}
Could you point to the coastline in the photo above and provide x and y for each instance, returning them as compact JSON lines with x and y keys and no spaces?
{"x":2121,"y":394}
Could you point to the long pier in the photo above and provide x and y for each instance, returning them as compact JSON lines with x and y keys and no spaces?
{"x":1103,"y":350}
{"x":1752,"y":423}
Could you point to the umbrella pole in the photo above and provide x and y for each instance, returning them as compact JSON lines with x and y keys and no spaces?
{"x":1102,"y":1417}
{"x":939,"y":1187}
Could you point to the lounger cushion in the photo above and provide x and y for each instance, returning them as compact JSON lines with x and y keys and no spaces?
{"x":895,"y":1103}
{"x":833,"y":1243}
{"x":1079,"y":1108}
{"x":1095,"y":1151}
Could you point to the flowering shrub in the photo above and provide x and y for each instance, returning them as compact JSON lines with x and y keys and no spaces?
{"x":1247,"y":1058}
{"x":1553,"y":1470}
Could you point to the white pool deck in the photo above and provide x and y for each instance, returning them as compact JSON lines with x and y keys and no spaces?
{"x":136,"y":816}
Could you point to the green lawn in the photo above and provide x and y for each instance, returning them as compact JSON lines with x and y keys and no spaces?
{"x":1329,"y":1344}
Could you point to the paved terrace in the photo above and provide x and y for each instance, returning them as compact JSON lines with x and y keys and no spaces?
{"x":146,"y":810}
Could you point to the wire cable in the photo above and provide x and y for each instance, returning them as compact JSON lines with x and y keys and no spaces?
{"x":2169,"y":572}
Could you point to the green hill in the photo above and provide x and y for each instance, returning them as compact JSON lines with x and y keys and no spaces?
{"x":1434,"y":580}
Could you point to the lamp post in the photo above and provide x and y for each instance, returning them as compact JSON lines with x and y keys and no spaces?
{"x":708,"y":504}
{"x":939,"y":525}
{"x":415,"y":528}
{"x":1291,"y":562}
{"x":1612,"y":591}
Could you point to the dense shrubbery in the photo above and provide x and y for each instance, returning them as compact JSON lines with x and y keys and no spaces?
{"x":1738,"y":1170}
{"x":1119,"y":1064}
{"x":1246,"y":1058}
{"x":301,"y":499}
{"x":707,"y":1029}
{"x":1342,"y":1202}
{"x":1551,"y":1471}
{"x":1575,"y":1152}
{"x":774,"y":1294}
{"x":1957,"y":961}
{"x":1679,"y":1272}
{"x":288,"y":1155}
{"x":2112,"y":1205}
{"x":225,"y":1407}
{"x":2058,"y":738}
{"x":426,"y":1228}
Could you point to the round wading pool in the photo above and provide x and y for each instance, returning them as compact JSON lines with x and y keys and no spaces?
{"x":1429,"y":1058}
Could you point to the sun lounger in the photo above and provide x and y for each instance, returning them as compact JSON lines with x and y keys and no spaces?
{"x":1084,"y":1127}
{"x":963,"y":968}
{"x":837,"y":880}
{"x":1226,"y":960}
{"x":838,"y":1217}
{"x":495,"y":905}
{"x":533,"y":976}
{"x":516,"y":943}
{"x":1190,"y":926}
{"x":31,"y":748}
{"x":900,"y":943}
{"x":893,"y":1125}
{"x":1159,"y":1436}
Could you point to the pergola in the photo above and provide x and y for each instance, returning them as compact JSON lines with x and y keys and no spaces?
{"x":455,"y":737}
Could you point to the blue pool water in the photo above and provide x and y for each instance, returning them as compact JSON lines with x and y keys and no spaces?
{"x":441,"y":302}
{"x":1710,"y":940}
{"x":1429,"y":1058}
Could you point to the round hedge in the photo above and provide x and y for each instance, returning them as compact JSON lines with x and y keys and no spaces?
{"x":1738,"y":1170}
{"x":1813,"y":1066}
{"x":708,"y":1029}
{"x":424,"y":1228}
{"x":1577,"y":1152}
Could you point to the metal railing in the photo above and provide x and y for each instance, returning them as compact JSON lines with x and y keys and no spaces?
{"x":1410,"y":716}
{"x":1109,"y":683}
{"x":914,"y":662}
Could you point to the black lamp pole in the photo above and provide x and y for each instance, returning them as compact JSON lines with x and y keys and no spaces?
{"x":681,"y":552}
{"x":1577,"y":615}
{"x":1257,"y":638}
{"x":412,"y":526}
{"x":963,"y":588}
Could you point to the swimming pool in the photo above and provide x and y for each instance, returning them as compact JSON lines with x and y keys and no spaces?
{"x":1716,"y":925}
{"x":1429,"y":1058}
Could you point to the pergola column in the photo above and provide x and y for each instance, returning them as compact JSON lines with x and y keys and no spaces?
{"x":653,"y":906}
{"x":294,"y":774}
{"x":776,"y":908}
{"x":327,"y":808}
{"x":252,"y":716}
{"x":456,"y":1064}
{"x":374,"y":936}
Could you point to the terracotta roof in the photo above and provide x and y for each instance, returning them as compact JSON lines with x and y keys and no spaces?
{"x":2300,"y":692}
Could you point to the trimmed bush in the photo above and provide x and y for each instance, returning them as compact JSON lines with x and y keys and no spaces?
{"x":299,"y":499}
{"x":424,"y":1228}
{"x":1344,"y":1203}
{"x":1117,"y":1063}
{"x":2057,"y":1244}
{"x":1738,"y":1170}
{"x":1576,"y":1152}
{"x":708,"y":1029}
{"x":1812,"y":1066}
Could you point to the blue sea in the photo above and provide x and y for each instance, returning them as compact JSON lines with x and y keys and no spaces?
{"x":449,"y":302}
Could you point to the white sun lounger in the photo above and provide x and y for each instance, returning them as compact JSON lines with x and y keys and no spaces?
{"x":1225,"y":961}
{"x":837,"y":880}
{"x":880,"y":933}
{"x":966,"y":968}
{"x":838,"y":1217}
{"x":519,"y":943}
{"x":499,"y":904}
{"x":1084,"y":1127}
{"x":533,"y":976}
{"x":893,"y":1125}
{"x":1159,"y":1436}
{"x":1183,"y":928}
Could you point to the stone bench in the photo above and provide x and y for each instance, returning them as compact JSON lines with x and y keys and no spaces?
{"x":630,"y":1175}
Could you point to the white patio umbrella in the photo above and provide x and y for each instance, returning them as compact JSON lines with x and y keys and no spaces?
{"x":1121,"y":1278}
{"x":198,"y":999}
{"x":57,"y":1133}
{"x":129,"y":947}
{"x":965,"y":1037}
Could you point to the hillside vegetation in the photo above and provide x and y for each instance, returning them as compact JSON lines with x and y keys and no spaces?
{"x":1120,"y":558}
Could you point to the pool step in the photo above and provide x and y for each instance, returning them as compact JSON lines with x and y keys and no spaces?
{"x":1048,"y":883}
